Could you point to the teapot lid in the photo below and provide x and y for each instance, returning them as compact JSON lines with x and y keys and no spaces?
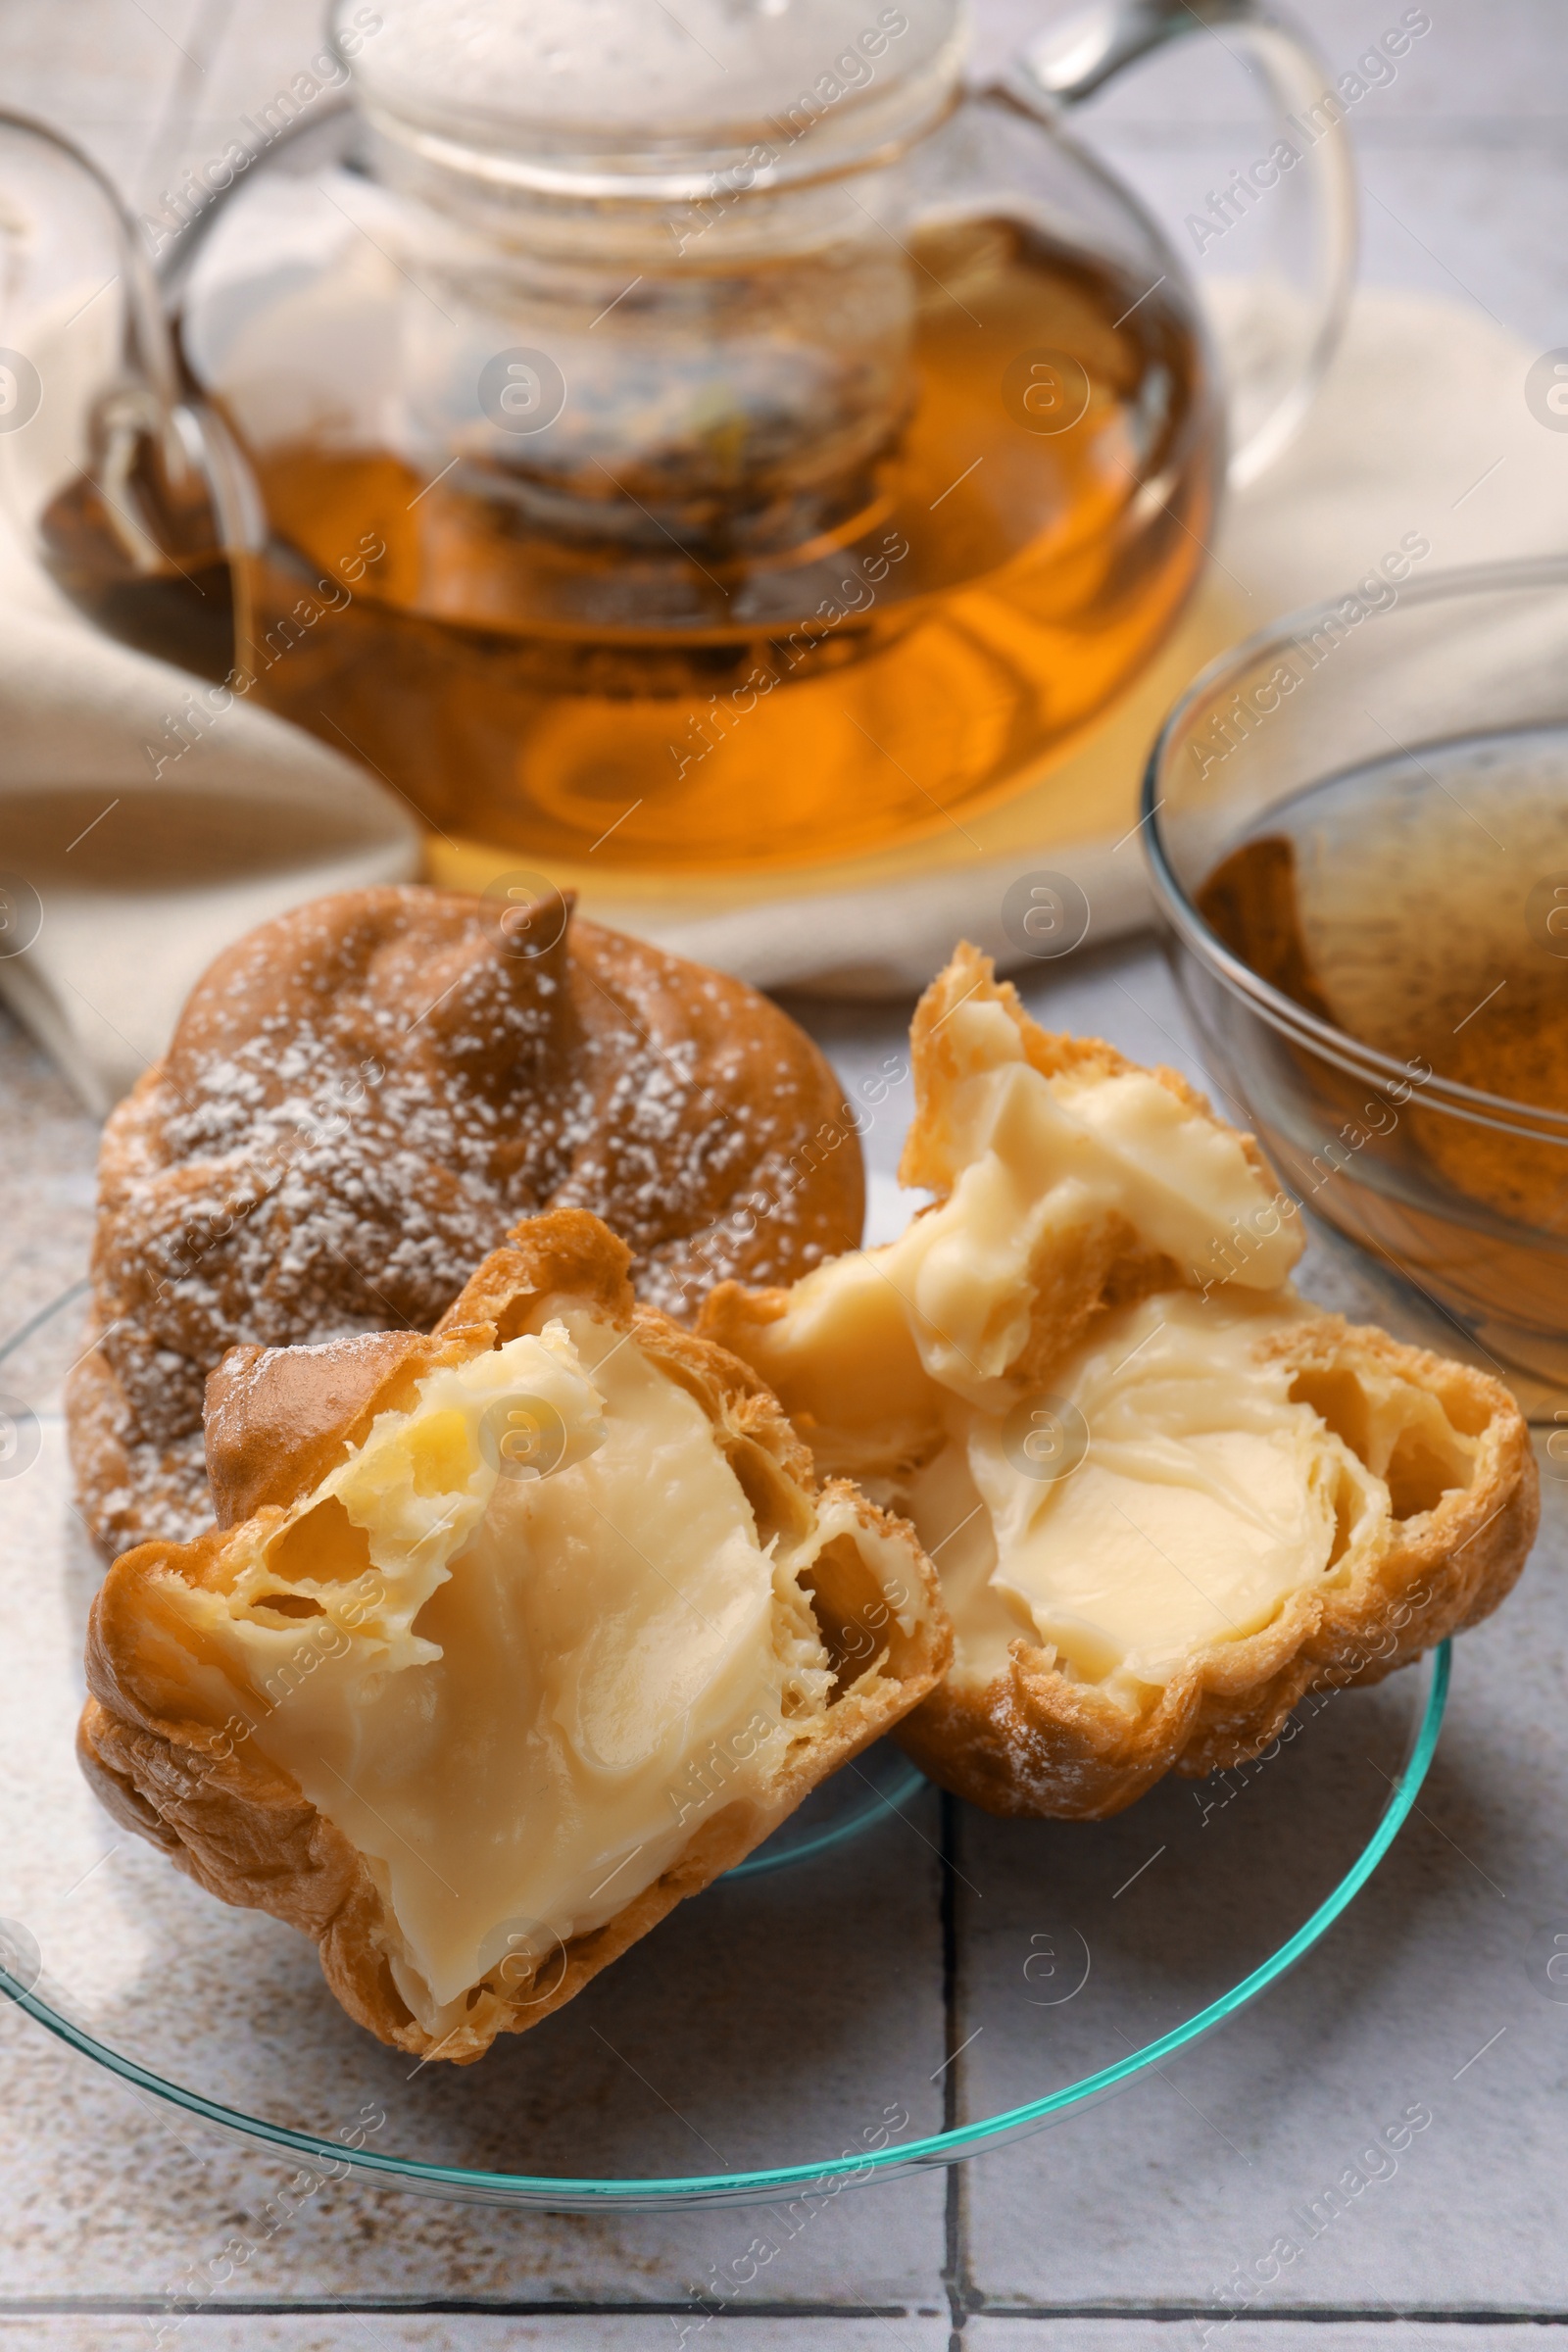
{"x":603,"y":98}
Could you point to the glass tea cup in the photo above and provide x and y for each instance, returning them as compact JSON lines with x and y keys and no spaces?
{"x":1358,"y":833}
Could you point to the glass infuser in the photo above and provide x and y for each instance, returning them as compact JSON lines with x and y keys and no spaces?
{"x":705,"y":440}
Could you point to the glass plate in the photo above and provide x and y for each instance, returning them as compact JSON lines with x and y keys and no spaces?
{"x":895,"y":1981}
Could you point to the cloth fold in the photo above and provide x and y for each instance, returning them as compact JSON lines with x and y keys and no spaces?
{"x":118,"y":885}
{"x":123,"y":874}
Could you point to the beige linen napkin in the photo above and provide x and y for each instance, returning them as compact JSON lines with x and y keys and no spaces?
{"x":119,"y":886}
{"x":1421,"y":436}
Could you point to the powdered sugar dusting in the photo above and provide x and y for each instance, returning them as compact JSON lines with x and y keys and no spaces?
{"x":364,"y":1095}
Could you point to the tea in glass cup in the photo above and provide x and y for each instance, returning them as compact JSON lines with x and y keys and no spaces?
{"x":1360,"y":843}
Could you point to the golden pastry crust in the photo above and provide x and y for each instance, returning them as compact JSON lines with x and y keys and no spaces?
{"x":1037,"y":1738}
{"x":1107,"y":1265}
{"x":363,"y":1095}
{"x":1098,"y":1261}
{"x":927,"y":1161}
{"x":279,"y":1421}
{"x":1034,"y":1742}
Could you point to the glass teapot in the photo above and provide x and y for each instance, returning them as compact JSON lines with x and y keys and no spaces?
{"x":698,"y":439}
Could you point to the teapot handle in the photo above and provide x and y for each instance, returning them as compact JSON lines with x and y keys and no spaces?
{"x":1280,"y":345}
{"x":162,"y":487}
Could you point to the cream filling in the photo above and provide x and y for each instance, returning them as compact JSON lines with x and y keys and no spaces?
{"x":1032,"y":1161}
{"x":518,"y":1696}
{"x":1204,"y":1497}
{"x":1035,"y":1157}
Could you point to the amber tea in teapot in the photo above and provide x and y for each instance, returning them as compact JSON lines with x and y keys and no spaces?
{"x":989,"y":588}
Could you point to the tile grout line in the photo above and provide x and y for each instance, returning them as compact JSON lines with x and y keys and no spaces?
{"x":183,"y":2308}
{"x":178,"y":113}
{"x":955,"y":2208}
{"x":1150,"y":2312}
{"x":1154,"y":2313}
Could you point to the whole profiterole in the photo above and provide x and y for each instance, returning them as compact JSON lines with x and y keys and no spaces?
{"x":1166,"y":1496}
{"x":361,"y":1099}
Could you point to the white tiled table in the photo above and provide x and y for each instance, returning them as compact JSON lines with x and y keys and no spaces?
{"x":1119,"y":2228}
